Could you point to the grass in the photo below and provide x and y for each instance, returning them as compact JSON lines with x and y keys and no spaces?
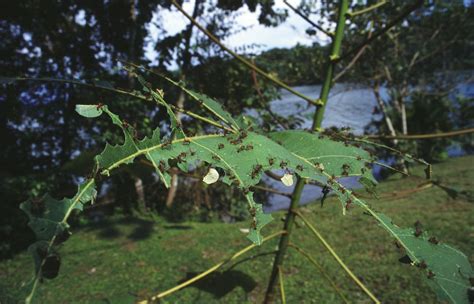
{"x":126,"y":259}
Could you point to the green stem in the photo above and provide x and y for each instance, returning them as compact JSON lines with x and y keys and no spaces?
{"x":337,"y":258}
{"x":321,"y":270}
{"x":318,"y":116}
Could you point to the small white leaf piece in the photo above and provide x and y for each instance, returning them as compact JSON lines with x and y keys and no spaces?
{"x":89,"y":111}
{"x":287,"y":179}
{"x":211,"y":177}
{"x":244,"y":230}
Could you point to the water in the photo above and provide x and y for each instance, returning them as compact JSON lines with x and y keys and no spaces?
{"x":348,"y":106}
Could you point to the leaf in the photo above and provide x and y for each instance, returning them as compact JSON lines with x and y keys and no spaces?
{"x":211,"y":177}
{"x":48,"y":216}
{"x":334,"y":157}
{"x":48,"y":220}
{"x":447,"y":269}
{"x":287,"y":179}
{"x":208,"y":103}
{"x":89,"y":111}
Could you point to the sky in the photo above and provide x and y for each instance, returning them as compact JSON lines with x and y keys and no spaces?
{"x":286,"y":35}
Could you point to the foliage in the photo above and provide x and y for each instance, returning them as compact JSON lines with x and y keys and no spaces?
{"x":122,"y":256}
{"x":242,"y":155}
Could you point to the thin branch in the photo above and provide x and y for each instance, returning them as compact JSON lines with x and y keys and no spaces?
{"x":424,"y":136}
{"x":337,"y":258}
{"x":261,"y":100}
{"x":207,"y":272}
{"x":379,"y":33}
{"x":282,"y":285}
{"x":356,"y":57}
{"x":306,"y":18}
{"x":321,"y":270}
{"x":367,"y":9}
{"x":127,"y":93}
{"x":244,"y":61}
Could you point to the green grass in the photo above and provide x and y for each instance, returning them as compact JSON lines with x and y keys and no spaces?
{"x":128,"y":259}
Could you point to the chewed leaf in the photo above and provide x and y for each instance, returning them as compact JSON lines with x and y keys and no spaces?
{"x":89,"y":111}
{"x":211,"y":177}
{"x":287,"y":179}
{"x":260,"y":220}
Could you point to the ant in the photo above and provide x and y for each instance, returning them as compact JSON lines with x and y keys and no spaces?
{"x":256,"y":170}
{"x":166,"y":144}
{"x":348,"y":203}
{"x":100,"y":105}
{"x":422,"y":265}
{"x":249,"y":147}
{"x":220,"y":146}
{"x":181,"y":157}
{"x":299,"y":167}
{"x":186,"y":141}
{"x":253,"y":211}
{"x":430,"y":274}
{"x":162,"y":166}
{"x":359,"y":157}
{"x":240,"y":149}
{"x":433,"y":240}
{"x":246,"y":191}
{"x":283,"y":164}
{"x":243,"y":135}
{"x":216,"y":157}
{"x":125,"y":124}
{"x":418,"y":229}
{"x":271,"y":161}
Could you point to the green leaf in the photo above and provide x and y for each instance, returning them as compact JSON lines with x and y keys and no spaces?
{"x":89,"y":111}
{"x":447,"y":269}
{"x":48,"y":220}
{"x":337,"y":158}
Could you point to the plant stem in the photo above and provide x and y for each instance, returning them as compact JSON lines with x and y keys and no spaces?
{"x":207,"y":272}
{"x":337,"y":258}
{"x":290,"y":217}
{"x":321,"y":270}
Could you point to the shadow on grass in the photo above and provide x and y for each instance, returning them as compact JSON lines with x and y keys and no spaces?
{"x":114,"y":228}
{"x":221,"y":283}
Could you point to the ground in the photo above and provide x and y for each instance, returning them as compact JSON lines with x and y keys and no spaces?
{"x":126,"y":259}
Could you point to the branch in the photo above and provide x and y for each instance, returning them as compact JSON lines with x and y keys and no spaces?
{"x":367,"y":9}
{"x":122,"y":92}
{"x":424,"y":136}
{"x":306,"y":18}
{"x":242,"y":60}
{"x":207,"y":272}
{"x":389,"y":25}
{"x":337,"y":258}
{"x":354,"y":60}
{"x":321,"y":270}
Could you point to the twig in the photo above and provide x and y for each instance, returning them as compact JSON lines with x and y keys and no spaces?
{"x":306,"y":18}
{"x":367,"y":9}
{"x":242,"y":60}
{"x":282,"y":286}
{"x":354,"y":60}
{"x":321,"y":270}
{"x":207,"y":272}
{"x":263,"y":104}
{"x":424,"y":136}
{"x":123,"y":92}
{"x":337,"y":258}
{"x":389,"y":25}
